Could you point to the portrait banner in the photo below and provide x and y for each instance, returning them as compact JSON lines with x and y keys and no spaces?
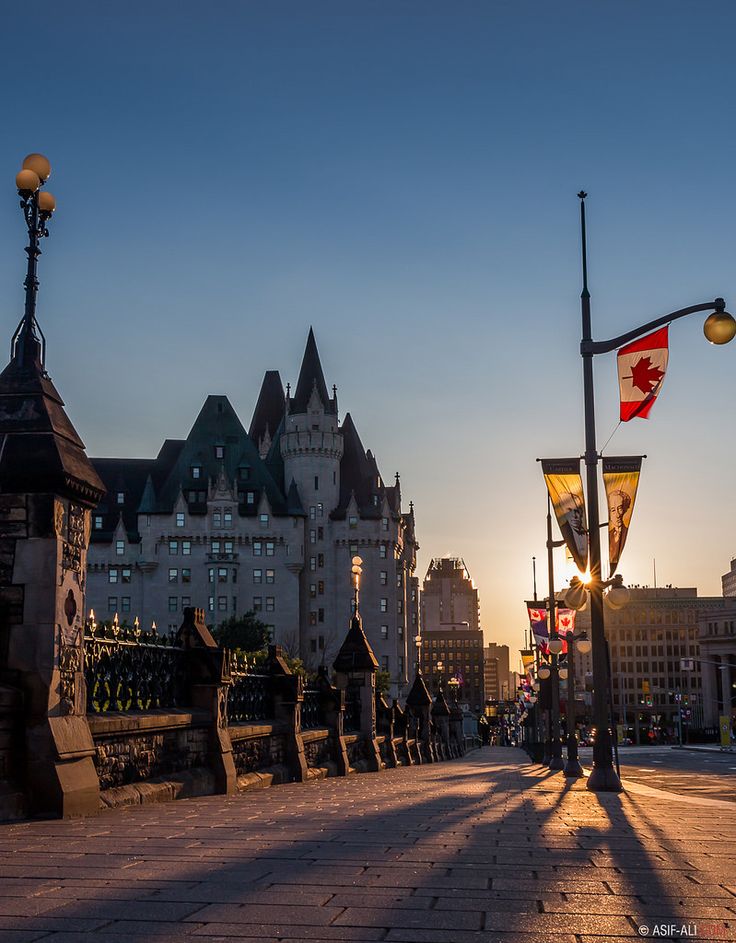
{"x":565,"y":487}
{"x":621,"y":480}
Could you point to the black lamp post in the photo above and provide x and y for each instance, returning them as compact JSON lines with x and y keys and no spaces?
{"x":719,"y":328}
{"x":555,"y":647}
{"x":28,"y":346}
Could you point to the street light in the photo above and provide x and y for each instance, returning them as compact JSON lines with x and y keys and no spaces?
{"x":719,"y":328}
{"x":28,"y":345}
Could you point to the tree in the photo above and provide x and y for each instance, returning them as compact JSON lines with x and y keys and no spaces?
{"x":383,"y":682}
{"x":244,"y":633}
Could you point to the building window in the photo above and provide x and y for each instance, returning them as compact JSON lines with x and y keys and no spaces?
{"x":312,"y":563}
{"x":320,"y":510}
{"x":173,"y":547}
{"x":313,"y":645}
{"x":227,"y":517}
{"x":269,"y":549}
{"x":257,"y":604}
{"x":384,"y":631}
{"x":313,"y":536}
{"x":384,"y":604}
{"x":112,"y":603}
{"x":270,"y":603}
{"x":257,"y":576}
{"x":121,"y":497}
{"x":222,"y":575}
{"x":382,"y":551}
{"x":244,"y":472}
{"x":320,"y":533}
{"x":400,"y":606}
{"x":270,"y":576}
{"x":173,"y":575}
{"x":219,"y":451}
{"x":384,"y":523}
{"x":186,"y":548}
{"x":384,"y":577}
{"x":352,"y":522}
{"x":321,"y":587}
{"x":320,"y":615}
{"x":264,"y":520}
{"x":313,"y":618}
{"x":120,"y":547}
{"x":217,"y":518}
{"x":222,"y":603}
{"x":316,"y":482}
{"x":320,"y":560}
{"x":211,"y":574}
{"x":186,"y":575}
{"x":215,"y":546}
{"x":257,"y":548}
{"x":384,"y":663}
{"x":179,"y":518}
{"x":313,"y":513}
{"x":250,"y":497}
{"x":186,"y":601}
{"x":125,"y":603}
{"x":112,"y":575}
{"x":234,"y":576}
{"x":196,"y":471}
{"x":125,"y":575}
{"x":228,"y":546}
{"x":98,"y":522}
{"x":312,"y":591}
{"x":353,"y":549}
{"x":211,"y":603}
{"x":173,"y":603}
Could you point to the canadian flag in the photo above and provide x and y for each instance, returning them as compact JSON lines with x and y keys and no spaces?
{"x":642,"y":365}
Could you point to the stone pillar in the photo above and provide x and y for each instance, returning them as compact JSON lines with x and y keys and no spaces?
{"x":356,"y":665}
{"x":332,"y":705}
{"x":385,"y":723}
{"x":288,"y":695}
{"x":457,"y":735}
{"x":419,"y":702}
{"x":208,"y":676}
{"x":441,"y":720}
{"x":47,"y":490}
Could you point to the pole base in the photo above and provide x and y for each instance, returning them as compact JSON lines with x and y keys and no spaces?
{"x":556,"y":762}
{"x":574,"y":769}
{"x":604,"y":779}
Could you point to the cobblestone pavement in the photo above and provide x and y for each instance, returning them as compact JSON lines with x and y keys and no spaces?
{"x":484,"y":849}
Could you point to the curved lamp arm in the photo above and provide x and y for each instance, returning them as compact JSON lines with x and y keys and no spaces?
{"x":605,"y":347}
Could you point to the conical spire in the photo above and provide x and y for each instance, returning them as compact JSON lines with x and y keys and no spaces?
{"x":355,"y":652}
{"x":311,"y":377}
{"x":269,"y":409}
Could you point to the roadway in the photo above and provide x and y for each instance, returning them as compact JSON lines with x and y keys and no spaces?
{"x":703,"y":772}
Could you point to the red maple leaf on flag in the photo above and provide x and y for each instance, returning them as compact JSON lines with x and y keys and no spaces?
{"x":644,"y":376}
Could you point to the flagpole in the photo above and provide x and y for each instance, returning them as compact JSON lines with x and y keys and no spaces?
{"x":603,"y":776}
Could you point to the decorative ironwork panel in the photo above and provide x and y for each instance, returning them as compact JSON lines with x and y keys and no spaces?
{"x":311,"y":712}
{"x":127,"y":669}
{"x":249,"y":698}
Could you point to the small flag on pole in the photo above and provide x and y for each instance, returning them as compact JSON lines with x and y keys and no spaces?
{"x":642,"y":365}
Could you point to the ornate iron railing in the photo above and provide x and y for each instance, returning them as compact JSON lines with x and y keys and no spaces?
{"x":352,"y":707}
{"x":126,"y":668}
{"x":249,"y":696}
{"x":311,"y":712}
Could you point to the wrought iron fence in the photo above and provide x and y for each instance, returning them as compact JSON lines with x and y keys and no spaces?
{"x":249,"y":696}
{"x":311,"y":713}
{"x":126,"y":668}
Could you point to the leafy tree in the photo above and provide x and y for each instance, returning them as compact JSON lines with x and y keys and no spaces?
{"x":244,"y":633}
{"x":383,"y":682}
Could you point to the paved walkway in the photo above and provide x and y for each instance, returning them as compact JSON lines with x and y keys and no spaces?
{"x":487,"y":849}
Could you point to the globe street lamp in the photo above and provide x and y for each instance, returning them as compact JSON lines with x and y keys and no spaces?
{"x":719,"y":328}
{"x":28,"y":346}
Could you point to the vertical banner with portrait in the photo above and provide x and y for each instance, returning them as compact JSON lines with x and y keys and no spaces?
{"x":621,"y":479}
{"x":565,"y":486}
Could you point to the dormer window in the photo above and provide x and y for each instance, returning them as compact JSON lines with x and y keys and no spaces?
{"x":251,"y":499}
{"x":219,"y":451}
{"x":217,"y":519}
{"x":227,"y":517}
{"x":352,"y":522}
{"x":244,"y":473}
{"x":196,"y":471}
{"x":121,"y":497}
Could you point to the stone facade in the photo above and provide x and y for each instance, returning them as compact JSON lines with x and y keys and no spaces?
{"x":264,"y":520}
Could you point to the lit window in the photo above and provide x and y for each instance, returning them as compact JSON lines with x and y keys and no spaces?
{"x":384,"y":577}
{"x":112,"y":576}
{"x":173,"y":603}
{"x":384,"y":523}
{"x":312,"y":563}
{"x":264,"y":520}
{"x":384,"y":604}
{"x":173,"y":575}
{"x":215,"y":546}
{"x":125,"y":575}
{"x":227,"y":518}
{"x":222,"y":575}
{"x":211,"y":574}
{"x":312,"y":590}
{"x":98,"y":522}
{"x":216,"y":519}
{"x":384,"y":631}
{"x":270,"y":603}
{"x":121,"y":497}
{"x":222,"y":603}
{"x":313,"y":513}
{"x":211,"y":603}
{"x":179,"y":518}
{"x":257,"y":576}
{"x":196,"y":471}
{"x":352,"y":522}
{"x":219,"y":451}
{"x":313,"y":536}
{"x":382,"y":551}
{"x":257,"y":548}
{"x":251,"y":497}
{"x":270,"y":576}
{"x":186,"y":548}
{"x":120,"y":547}
{"x":269,"y":549}
{"x":173,"y":547}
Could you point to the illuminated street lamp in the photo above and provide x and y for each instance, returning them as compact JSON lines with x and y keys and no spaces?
{"x":28,"y":345}
{"x":719,"y":328}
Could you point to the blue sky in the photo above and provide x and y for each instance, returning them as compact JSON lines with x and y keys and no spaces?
{"x":402,"y":176}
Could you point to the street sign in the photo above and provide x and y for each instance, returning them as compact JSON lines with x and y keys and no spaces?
{"x":687,"y":664}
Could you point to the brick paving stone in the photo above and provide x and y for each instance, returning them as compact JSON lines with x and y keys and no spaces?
{"x":290,"y":932}
{"x":258,"y":913}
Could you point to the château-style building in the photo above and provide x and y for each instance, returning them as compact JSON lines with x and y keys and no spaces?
{"x":265,"y":520}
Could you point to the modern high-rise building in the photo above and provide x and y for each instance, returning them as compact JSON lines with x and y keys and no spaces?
{"x":499,"y":684}
{"x":451,"y":633}
{"x":264,"y":520}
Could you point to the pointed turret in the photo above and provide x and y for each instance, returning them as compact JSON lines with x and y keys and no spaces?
{"x":311,"y":378}
{"x":419,"y":696}
{"x":269,"y":411}
{"x":355,"y":652}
